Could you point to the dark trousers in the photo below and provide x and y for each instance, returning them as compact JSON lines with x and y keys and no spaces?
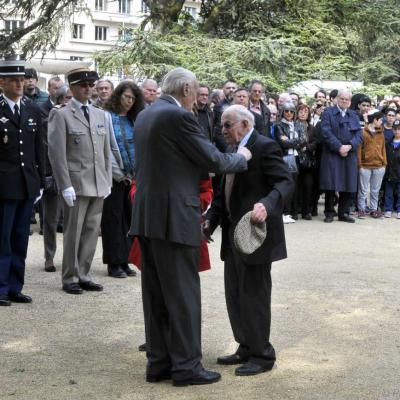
{"x":305,"y":188}
{"x":248,"y":300}
{"x":343,"y":206}
{"x":390,"y":189}
{"x":172,"y":307}
{"x":15,"y":216}
{"x":291,"y":203}
{"x":115,"y":223}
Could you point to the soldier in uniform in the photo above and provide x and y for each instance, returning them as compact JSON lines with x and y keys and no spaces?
{"x":80,"y":155}
{"x":21,"y":177}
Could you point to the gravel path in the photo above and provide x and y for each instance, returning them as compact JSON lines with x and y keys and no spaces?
{"x":335,"y":326}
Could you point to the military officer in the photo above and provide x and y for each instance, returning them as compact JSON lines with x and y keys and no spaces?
{"x":79,"y":152}
{"x":21,"y":177}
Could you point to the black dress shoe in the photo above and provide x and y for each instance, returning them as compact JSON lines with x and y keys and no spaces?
{"x":127,"y":269}
{"x":4,"y":301}
{"x":19,"y":298}
{"x":295,"y":217}
{"x":346,"y":218}
{"x":204,"y":377}
{"x":307,"y":217}
{"x":158,"y":378}
{"x":328,"y":219}
{"x":115,"y":271}
{"x":72,"y":288}
{"x":250,"y":368}
{"x":142,"y":347}
{"x":50,"y":268}
{"x":91,"y":286}
{"x":232,"y":359}
{"x":60,"y":229}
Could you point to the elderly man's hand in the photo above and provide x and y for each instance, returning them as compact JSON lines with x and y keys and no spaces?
{"x":344,"y":149}
{"x":259,"y":213}
{"x":244,"y":151}
{"x":206,"y":231}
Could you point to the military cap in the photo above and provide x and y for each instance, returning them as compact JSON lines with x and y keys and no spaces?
{"x":81,"y":75}
{"x":12,"y":65}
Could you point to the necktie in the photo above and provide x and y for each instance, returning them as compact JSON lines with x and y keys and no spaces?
{"x":229,"y":179}
{"x":16,"y":112}
{"x":86,"y":113}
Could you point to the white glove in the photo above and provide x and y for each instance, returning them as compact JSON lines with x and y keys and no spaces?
{"x":69,"y":196}
{"x":39,"y":197}
{"x":109,"y":192}
{"x":244,"y":151}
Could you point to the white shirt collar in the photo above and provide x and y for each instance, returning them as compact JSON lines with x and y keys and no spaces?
{"x":343,"y":112}
{"x":11,"y":103}
{"x":244,"y":141}
{"x":176,"y":101}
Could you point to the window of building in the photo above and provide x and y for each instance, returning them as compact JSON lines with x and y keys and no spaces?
{"x":124,"y":6}
{"x":13,"y":25}
{"x":76,"y":58}
{"x":100,"y":32}
{"x":125,"y":34}
{"x":100,"y":5}
{"x":191,"y":10}
{"x":77,"y":31}
{"x":144,"y":8}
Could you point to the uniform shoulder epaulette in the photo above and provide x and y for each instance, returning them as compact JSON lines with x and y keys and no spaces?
{"x":96,"y":106}
{"x":58,"y":106}
{"x":2,"y":100}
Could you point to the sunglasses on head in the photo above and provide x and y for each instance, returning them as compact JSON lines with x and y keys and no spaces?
{"x":86,"y":84}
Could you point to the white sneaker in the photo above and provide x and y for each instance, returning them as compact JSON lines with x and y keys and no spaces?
{"x":290,"y":219}
{"x":388,"y":214}
{"x":398,"y":215}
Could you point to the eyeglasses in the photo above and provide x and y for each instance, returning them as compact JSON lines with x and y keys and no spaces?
{"x":86,"y":84}
{"x":289,"y":111}
{"x":127,"y":97}
{"x":229,"y":125}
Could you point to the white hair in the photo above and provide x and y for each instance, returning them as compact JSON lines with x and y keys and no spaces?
{"x":344,"y":91}
{"x":241,"y":113}
{"x":173,"y":82}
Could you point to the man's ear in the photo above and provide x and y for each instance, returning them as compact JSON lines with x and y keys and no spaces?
{"x":185,"y":89}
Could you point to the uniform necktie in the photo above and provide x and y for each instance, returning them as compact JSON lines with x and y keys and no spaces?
{"x":16,"y":112}
{"x":86,"y":113}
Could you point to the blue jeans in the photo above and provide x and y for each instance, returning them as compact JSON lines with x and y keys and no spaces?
{"x":390,"y":187}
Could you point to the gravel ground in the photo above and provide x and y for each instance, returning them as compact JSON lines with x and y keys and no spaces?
{"x":335,"y":326}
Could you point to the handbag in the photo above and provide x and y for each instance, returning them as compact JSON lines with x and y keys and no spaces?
{"x":290,"y":161}
{"x":306,"y":160}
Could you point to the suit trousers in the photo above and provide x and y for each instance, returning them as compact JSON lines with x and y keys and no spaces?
{"x":248,"y":300}
{"x":115,"y":223}
{"x":51,"y":204}
{"x":81,"y":231}
{"x":343,"y":206}
{"x":15,"y":217}
{"x":172,"y":307}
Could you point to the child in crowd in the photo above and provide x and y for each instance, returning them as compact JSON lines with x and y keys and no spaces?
{"x":393,"y":172}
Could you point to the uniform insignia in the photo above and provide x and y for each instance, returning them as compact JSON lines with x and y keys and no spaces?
{"x":5,"y":139}
{"x":31,"y":122}
{"x":4,"y":120}
{"x":77,"y":140}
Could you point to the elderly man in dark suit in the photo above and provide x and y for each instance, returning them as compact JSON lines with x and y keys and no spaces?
{"x":171,"y":154}
{"x":21,"y":177}
{"x":341,"y":135}
{"x":262,"y":189}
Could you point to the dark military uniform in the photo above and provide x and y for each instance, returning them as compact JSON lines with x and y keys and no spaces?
{"x":21,"y":177}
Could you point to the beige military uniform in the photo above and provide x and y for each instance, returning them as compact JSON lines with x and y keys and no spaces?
{"x":80,"y":157}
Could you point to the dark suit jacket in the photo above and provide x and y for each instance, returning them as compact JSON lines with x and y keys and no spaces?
{"x":171,"y":155}
{"x":266,"y":181}
{"x":21,"y":152}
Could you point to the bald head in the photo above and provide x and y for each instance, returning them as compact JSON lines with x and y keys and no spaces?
{"x":237,"y":121}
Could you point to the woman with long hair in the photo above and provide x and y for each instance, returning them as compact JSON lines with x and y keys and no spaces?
{"x":122,"y":109}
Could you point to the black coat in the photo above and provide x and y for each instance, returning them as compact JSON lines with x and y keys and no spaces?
{"x":21,"y":152}
{"x":172,"y":153}
{"x":266,"y":181}
{"x":393,"y":163}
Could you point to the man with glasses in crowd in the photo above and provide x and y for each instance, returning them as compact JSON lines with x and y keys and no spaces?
{"x":341,"y":135}
{"x":79,"y":152}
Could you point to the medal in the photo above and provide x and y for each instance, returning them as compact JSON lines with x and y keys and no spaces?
{"x":5,"y":139}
